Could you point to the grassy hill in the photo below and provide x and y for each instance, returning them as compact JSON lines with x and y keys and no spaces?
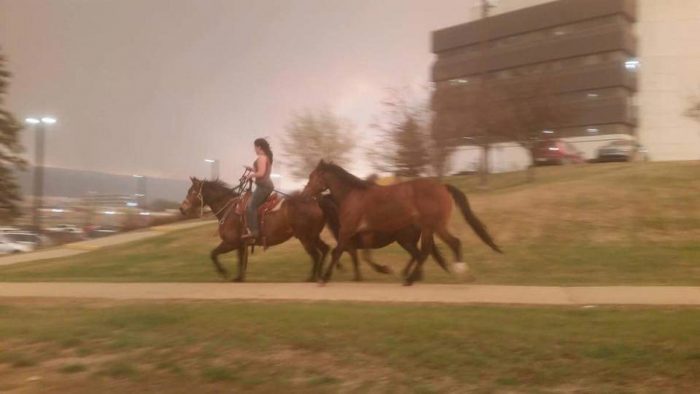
{"x":621,"y":223}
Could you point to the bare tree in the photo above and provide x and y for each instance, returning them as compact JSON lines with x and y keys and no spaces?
{"x":404,"y":146}
{"x":693,"y":110}
{"x":10,"y":149}
{"x":310,"y":137}
{"x":510,"y":110}
{"x":530,"y":106}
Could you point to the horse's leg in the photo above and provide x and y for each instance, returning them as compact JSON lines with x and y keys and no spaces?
{"x":427,"y":243}
{"x":439,"y":258}
{"x":324,"y":249}
{"x":242,"y":263}
{"x":312,"y":249}
{"x":335,"y":256}
{"x":456,"y":245}
{"x":343,"y":245}
{"x":223,"y":247}
{"x":367,"y":257}
{"x":410,"y":245}
{"x":355,"y":265}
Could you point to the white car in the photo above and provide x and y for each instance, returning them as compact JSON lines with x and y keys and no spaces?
{"x":18,"y":242}
{"x":65,"y":228}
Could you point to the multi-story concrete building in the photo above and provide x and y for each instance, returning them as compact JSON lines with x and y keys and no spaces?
{"x":627,"y":67}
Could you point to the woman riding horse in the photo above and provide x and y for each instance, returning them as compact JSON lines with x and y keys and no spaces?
{"x":260,"y":172}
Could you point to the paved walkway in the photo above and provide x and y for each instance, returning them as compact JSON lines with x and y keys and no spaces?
{"x":366,"y":292}
{"x":86,"y":246}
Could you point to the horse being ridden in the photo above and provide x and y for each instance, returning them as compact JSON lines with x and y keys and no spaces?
{"x":293,"y":217}
{"x":364,"y":206}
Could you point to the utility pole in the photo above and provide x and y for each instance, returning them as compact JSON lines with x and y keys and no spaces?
{"x":485,"y":142}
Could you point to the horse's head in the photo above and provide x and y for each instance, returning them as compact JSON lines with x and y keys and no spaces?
{"x":317,"y":182}
{"x":194,"y":198}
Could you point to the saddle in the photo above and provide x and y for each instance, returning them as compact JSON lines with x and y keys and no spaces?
{"x":272,"y":202}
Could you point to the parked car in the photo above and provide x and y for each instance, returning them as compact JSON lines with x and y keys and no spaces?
{"x":622,"y":150}
{"x":18,"y":242}
{"x":65,"y":228}
{"x":102,"y":231}
{"x":556,"y":152}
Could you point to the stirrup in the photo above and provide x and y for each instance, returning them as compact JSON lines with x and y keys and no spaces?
{"x":248,"y":234}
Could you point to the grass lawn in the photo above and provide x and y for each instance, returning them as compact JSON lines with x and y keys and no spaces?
{"x":301,"y":347}
{"x":620,"y":223}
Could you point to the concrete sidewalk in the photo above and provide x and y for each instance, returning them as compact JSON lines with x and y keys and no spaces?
{"x":364,"y":292}
{"x":93,"y":244}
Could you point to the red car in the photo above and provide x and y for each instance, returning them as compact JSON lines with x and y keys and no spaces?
{"x":556,"y":152}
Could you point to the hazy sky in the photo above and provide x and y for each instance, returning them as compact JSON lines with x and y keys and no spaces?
{"x":155,"y":86}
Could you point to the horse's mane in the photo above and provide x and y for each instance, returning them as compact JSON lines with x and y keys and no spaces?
{"x":345,"y":176}
{"x":219,"y":187}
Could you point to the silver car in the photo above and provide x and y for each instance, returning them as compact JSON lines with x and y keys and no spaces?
{"x":622,"y":150}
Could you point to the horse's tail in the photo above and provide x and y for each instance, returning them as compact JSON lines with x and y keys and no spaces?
{"x":330,"y":211}
{"x":478,"y":227}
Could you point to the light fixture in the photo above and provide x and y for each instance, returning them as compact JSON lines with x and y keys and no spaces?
{"x":592,"y":130}
{"x":109,"y":212}
{"x":145,"y":213}
{"x":137,"y":176}
{"x":592,"y":95}
{"x":548,"y":131}
{"x":32,"y":120}
{"x":48,"y":120}
{"x":275,"y":176}
{"x":210,"y":160}
{"x":632,"y":64}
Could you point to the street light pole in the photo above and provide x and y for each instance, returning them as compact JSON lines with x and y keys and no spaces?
{"x":38,"y":188}
{"x":140,"y":189}
{"x":213,"y":168}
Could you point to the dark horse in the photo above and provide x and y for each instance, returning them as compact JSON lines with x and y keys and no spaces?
{"x":365,"y":206}
{"x":295,"y":217}
{"x":366,"y":240}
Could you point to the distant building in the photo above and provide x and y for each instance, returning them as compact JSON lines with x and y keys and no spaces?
{"x":627,"y":67}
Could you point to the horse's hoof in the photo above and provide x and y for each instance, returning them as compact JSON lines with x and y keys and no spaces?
{"x":408,"y":283}
{"x":357,"y":279}
{"x":238,"y":279}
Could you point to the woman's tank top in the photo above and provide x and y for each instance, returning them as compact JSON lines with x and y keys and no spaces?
{"x":265,"y":180}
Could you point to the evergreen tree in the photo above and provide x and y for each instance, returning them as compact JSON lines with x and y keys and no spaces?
{"x":10,"y":150}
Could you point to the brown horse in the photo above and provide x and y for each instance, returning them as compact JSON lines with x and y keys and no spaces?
{"x":366,"y":240}
{"x":365,"y":206}
{"x":295,"y":217}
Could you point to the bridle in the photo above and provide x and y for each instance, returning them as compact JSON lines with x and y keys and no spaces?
{"x":201,"y":200}
{"x":238,"y":189}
